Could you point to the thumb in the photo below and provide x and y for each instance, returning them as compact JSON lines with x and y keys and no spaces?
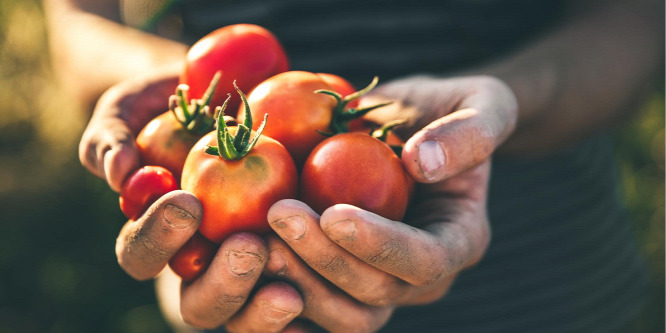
{"x":463,"y":138}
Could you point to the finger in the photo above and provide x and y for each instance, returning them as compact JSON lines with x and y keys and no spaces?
{"x":464,"y":138}
{"x":419,"y":257}
{"x":271,"y":309}
{"x":209,"y":301}
{"x":108,"y":151}
{"x":299,"y":226}
{"x":324,"y":304}
{"x":144,"y":246}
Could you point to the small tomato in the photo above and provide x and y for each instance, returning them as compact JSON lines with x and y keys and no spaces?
{"x":193,"y":258}
{"x":143,"y":187}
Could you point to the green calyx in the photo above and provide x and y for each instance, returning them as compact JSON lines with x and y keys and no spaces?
{"x":341,"y":115}
{"x":234,"y":147}
{"x":195,"y":116}
{"x":382,"y":133}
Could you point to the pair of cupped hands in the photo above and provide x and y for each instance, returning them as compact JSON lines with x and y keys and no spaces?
{"x":348,"y":269}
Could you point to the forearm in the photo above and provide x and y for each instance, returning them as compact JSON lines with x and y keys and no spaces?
{"x":585,"y":76}
{"x":92,"y":52}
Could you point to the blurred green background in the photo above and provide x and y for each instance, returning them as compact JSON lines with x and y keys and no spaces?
{"x":57,"y":262}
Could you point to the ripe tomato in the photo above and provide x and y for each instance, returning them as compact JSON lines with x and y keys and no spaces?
{"x":356,"y":169}
{"x":295,"y":110}
{"x":143,"y":187}
{"x":243,"y":52}
{"x":167,"y":139}
{"x":238,"y":180}
{"x":193,"y":258}
{"x":165,"y":142}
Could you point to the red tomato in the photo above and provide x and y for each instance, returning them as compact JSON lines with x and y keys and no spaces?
{"x":193,"y":258}
{"x":296,"y":112}
{"x":356,"y":169}
{"x":243,"y":52}
{"x":165,"y":142}
{"x":143,"y":187}
{"x":236,"y":194}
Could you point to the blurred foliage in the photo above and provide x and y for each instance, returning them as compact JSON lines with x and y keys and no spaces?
{"x":640,"y":151}
{"x":59,"y":271}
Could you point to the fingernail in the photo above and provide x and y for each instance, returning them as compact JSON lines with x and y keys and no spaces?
{"x":342,"y":230}
{"x":431,"y":159}
{"x":242,"y":263}
{"x":177,"y":217}
{"x":274,"y":314}
{"x":292,"y":227}
{"x":277,"y":263}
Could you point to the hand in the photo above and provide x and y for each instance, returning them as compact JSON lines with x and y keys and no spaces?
{"x":221,"y":296}
{"x":145,"y":246}
{"x":107,"y":147}
{"x":373,"y":264}
{"x":452,"y":124}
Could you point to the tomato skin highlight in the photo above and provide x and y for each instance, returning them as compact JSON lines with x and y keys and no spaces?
{"x":246,"y":53}
{"x":165,"y":142}
{"x":296,"y":112}
{"x":143,"y":187}
{"x":193,"y":258}
{"x":237,"y":194}
{"x":356,"y":169}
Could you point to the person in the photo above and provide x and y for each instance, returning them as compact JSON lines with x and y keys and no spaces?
{"x":532,"y":88}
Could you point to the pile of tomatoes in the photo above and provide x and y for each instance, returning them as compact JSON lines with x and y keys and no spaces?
{"x":304,"y":148}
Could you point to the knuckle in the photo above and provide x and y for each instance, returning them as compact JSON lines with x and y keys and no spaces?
{"x":334,"y":265}
{"x":431,"y":275}
{"x":227,"y":303}
{"x":392,"y":249}
{"x":386,"y":294}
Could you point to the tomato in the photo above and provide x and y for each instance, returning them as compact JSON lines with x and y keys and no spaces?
{"x":237,"y":180}
{"x":167,"y":139}
{"x":165,"y":142}
{"x":193,"y":258}
{"x":357,"y":169}
{"x":143,"y":187}
{"x":296,"y":112}
{"x":243,"y":52}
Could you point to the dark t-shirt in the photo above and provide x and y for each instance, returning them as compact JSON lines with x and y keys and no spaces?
{"x":562,"y":257}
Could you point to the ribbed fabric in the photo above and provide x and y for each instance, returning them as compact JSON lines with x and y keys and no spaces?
{"x":388,"y":38}
{"x":562,"y":257}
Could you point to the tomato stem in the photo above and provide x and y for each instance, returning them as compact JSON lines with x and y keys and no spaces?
{"x":382,"y":132}
{"x":234,"y":147}
{"x":341,"y":115}
{"x":194,"y":116}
